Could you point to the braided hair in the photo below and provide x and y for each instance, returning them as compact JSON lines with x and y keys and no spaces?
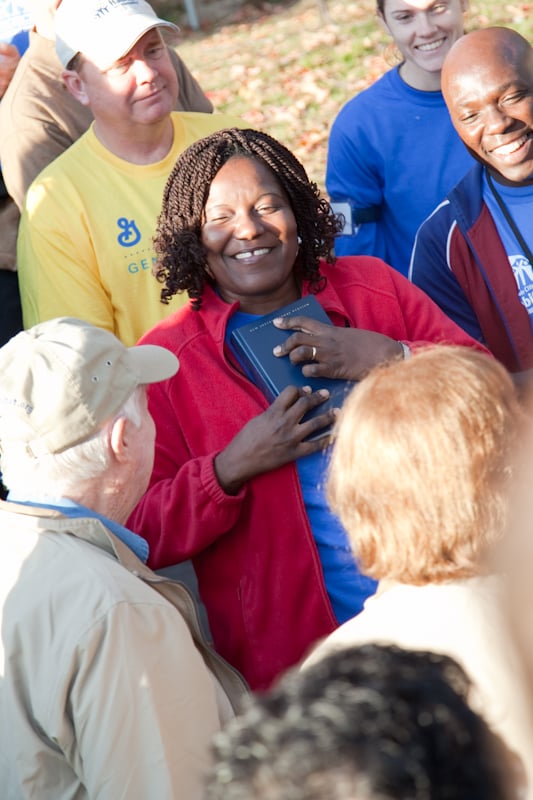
{"x":181,"y":257}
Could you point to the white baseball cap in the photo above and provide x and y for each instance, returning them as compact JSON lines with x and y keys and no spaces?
{"x":103,"y":30}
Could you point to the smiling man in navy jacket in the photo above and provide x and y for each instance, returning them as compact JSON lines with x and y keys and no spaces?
{"x":473,"y":255}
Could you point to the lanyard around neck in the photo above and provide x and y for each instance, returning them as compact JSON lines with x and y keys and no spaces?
{"x":507,"y":214}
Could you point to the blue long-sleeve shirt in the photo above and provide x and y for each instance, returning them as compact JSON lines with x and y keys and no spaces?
{"x":392,"y":153}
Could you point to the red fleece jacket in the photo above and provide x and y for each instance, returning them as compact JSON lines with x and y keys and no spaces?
{"x":258,"y":568}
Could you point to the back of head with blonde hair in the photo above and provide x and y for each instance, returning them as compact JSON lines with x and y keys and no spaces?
{"x":420,"y":468}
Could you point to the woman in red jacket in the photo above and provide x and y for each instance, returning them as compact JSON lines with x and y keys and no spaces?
{"x":237,"y":484}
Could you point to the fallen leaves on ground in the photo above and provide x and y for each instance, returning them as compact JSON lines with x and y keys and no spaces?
{"x":283,"y":69}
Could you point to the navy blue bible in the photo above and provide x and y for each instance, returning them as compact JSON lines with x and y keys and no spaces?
{"x":253,"y":345}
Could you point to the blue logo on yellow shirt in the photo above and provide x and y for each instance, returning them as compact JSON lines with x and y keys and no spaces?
{"x":130,"y":235}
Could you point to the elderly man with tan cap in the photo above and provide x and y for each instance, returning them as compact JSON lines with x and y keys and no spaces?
{"x":85,"y":238}
{"x":107,"y":688}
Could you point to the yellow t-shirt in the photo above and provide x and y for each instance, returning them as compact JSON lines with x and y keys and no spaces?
{"x":85,"y":239}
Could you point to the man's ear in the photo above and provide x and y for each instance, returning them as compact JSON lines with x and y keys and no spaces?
{"x":75,"y":85}
{"x":119,"y":439}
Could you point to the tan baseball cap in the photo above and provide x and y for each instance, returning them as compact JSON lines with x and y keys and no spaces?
{"x":103,"y":30}
{"x":61,"y":380}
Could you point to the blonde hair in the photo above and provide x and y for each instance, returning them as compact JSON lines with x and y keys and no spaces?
{"x":421,"y":464}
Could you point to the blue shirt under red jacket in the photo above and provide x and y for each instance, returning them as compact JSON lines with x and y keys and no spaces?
{"x":258,"y":567}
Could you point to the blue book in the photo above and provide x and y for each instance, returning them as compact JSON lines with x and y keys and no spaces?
{"x":253,"y":345}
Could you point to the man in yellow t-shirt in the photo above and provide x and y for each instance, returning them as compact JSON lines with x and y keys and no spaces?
{"x":85,"y":238}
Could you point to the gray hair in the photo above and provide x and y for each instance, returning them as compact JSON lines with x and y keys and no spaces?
{"x":58,"y":474}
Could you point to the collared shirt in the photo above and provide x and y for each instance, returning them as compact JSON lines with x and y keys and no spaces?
{"x":114,"y":652}
{"x":72,"y":509}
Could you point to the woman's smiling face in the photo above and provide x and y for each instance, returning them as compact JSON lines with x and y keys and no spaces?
{"x":423,"y":31}
{"x":251,"y":237}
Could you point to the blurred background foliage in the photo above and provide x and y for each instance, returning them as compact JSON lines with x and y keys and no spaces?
{"x":287,"y":67}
